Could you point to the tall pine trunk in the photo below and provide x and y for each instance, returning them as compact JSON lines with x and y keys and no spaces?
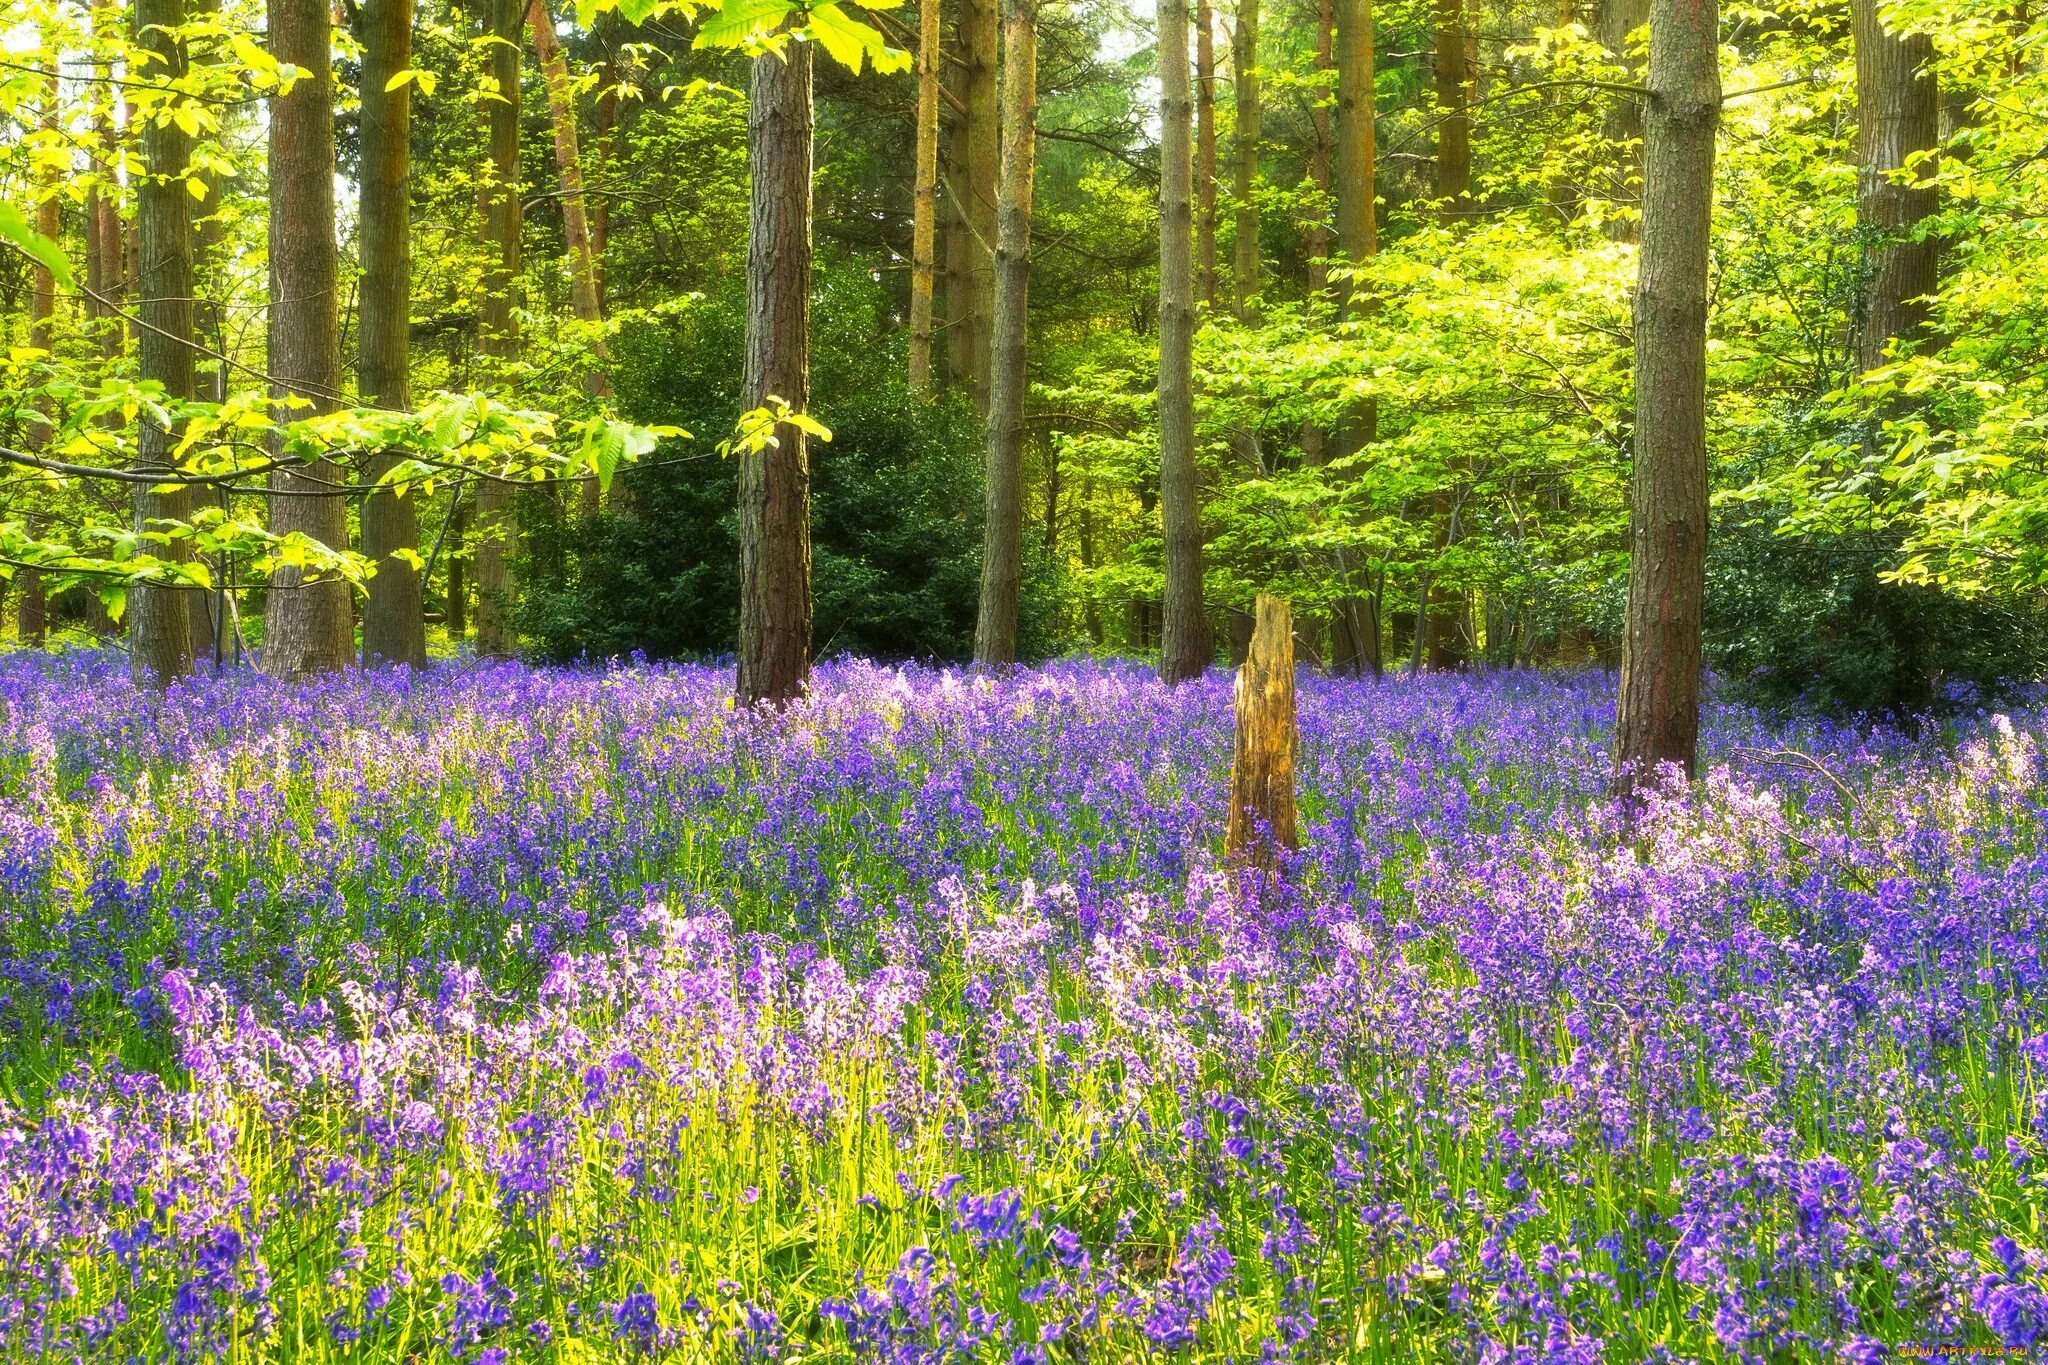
{"x":586,"y":296}
{"x":31,"y":613}
{"x":1002,"y":555}
{"x":1245,"y":69}
{"x":1898,"y":126}
{"x":924,"y":198}
{"x":1315,"y":236}
{"x":498,"y":327}
{"x":1354,"y":619}
{"x":1439,"y":615}
{"x":978,"y":157}
{"x":1184,"y":636}
{"x":775,"y":483}
{"x":159,"y":629}
{"x":307,"y":627}
{"x":1453,"y":95}
{"x":1205,"y":152}
{"x":1658,"y":719}
{"x":394,"y":616}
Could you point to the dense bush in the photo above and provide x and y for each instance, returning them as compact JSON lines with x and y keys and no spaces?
{"x":1810,"y":621}
{"x":896,"y":503}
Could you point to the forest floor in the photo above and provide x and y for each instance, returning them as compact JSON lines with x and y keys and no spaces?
{"x":501,"y":1013}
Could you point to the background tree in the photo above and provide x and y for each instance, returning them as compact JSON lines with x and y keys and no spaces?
{"x":1658,"y":722}
{"x":1184,"y":642}
{"x":775,"y":478}
{"x":394,"y":614}
{"x":1002,"y":570}
{"x":308,"y":627}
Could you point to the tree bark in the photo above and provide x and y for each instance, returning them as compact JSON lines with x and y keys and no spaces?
{"x":775,"y":483}
{"x":1002,"y":555}
{"x":1453,"y":94}
{"x":1355,"y":620}
{"x":160,"y":636}
{"x":1658,"y":719}
{"x":498,"y":327}
{"x":969,"y":316}
{"x":308,"y":627}
{"x":1245,"y":69}
{"x":394,"y":616}
{"x":1315,"y":238}
{"x":586,"y":289}
{"x":924,"y":198}
{"x":1898,"y":127}
{"x":1205,"y":152}
{"x":31,"y":615}
{"x":1184,"y":637}
{"x":1616,"y":20}
{"x":1262,"y":820}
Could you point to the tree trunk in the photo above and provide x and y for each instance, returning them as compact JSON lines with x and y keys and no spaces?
{"x":1245,"y":69}
{"x":1658,"y":720}
{"x":1453,"y":94}
{"x":498,"y":328}
{"x":1205,"y":152}
{"x":1354,"y":620}
{"x":924,"y":198}
{"x":307,"y":627}
{"x":1184,"y":638}
{"x":1623,"y":133}
{"x":455,"y":620}
{"x":1357,"y":231}
{"x":775,"y":483}
{"x":1898,"y":126}
{"x":160,"y":636}
{"x":585,"y":276}
{"x":969,"y":316}
{"x":1315,"y":237}
{"x":394,"y":616}
{"x":31,"y":616}
{"x":1262,"y":821}
{"x":1002,"y":555}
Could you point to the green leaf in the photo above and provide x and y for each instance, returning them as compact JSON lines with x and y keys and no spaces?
{"x":739,"y":21}
{"x":18,"y":232}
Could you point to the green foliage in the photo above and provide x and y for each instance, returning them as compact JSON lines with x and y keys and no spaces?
{"x":896,"y":504}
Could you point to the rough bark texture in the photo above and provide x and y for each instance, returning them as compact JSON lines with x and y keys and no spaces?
{"x":1315,"y":237}
{"x":1002,"y":554}
{"x":1205,"y":152}
{"x":307,"y":627}
{"x":775,"y":483}
{"x":1245,"y":69}
{"x":586,"y":287}
{"x":1453,"y":94}
{"x":1898,"y":124}
{"x":1355,"y":620}
{"x":1658,"y":720}
{"x":498,"y":327}
{"x":159,"y":623}
{"x":1357,"y":233}
{"x":1184,"y":634}
{"x":1616,"y":20}
{"x":1262,"y":767}
{"x":924,"y":197}
{"x":978,"y":156}
{"x":394,"y":617}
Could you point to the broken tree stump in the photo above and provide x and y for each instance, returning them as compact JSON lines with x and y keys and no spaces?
{"x":1262,"y":770}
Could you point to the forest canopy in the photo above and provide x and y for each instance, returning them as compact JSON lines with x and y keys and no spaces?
{"x":334,"y":334}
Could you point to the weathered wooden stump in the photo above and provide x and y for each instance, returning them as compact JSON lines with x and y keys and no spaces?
{"x":1262,"y":771}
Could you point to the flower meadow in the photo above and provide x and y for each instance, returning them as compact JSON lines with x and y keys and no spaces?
{"x":501,"y":1014}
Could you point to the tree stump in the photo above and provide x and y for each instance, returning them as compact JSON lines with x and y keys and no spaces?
{"x":1262,"y":770}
